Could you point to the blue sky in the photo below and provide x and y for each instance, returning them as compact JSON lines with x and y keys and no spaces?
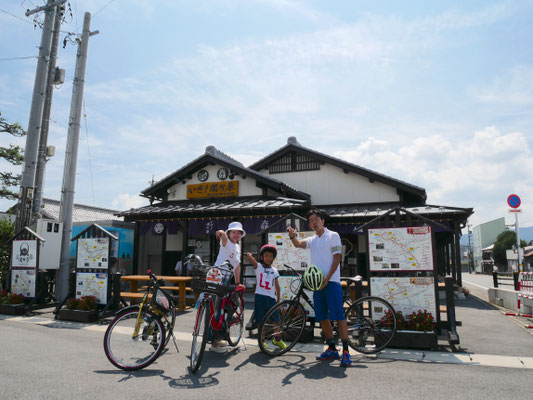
{"x":438,"y":94}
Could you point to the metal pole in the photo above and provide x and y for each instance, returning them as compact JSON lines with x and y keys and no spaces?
{"x":43,"y":142}
{"x":520,"y":269}
{"x":34,"y":125}
{"x":470,"y":255}
{"x":71,"y":160}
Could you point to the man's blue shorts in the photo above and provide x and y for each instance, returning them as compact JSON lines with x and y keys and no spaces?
{"x":261,"y":306}
{"x":329,"y":303}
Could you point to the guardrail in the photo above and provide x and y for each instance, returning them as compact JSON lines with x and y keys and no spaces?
{"x":506,"y":279}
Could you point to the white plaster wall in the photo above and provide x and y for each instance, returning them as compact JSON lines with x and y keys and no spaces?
{"x":175,"y":242}
{"x":330,"y":185}
{"x":247,"y":186}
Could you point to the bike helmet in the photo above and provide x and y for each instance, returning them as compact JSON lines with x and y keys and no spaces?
{"x":270,"y":248}
{"x":313,"y":278}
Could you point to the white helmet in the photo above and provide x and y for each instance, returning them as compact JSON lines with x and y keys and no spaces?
{"x":313,"y":278}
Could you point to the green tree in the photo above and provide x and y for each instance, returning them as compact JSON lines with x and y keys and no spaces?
{"x":504,"y":241}
{"x":12,"y":154}
{"x":7,"y":230}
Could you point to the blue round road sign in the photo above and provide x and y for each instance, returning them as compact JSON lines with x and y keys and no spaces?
{"x":514,"y":201}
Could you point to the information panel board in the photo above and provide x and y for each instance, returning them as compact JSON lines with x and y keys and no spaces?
{"x":298,"y":259}
{"x":92,"y":284}
{"x":23,"y":281}
{"x":24,"y":253}
{"x":93,"y":253}
{"x":400,"y":249}
{"x":406,"y":294}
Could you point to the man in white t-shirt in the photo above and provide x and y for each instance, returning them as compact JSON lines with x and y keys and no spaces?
{"x":326,"y":250}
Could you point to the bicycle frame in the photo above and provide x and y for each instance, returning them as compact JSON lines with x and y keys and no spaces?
{"x":217,"y":325}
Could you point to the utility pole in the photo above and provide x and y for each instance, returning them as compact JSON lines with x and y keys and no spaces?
{"x":36,"y":114}
{"x":43,"y":141}
{"x":470,"y":259}
{"x":71,"y":159}
{"x":520,"y":268}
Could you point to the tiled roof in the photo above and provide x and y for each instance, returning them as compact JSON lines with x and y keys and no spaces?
{"x":80,"y":213}
{"x":212,"y":155}
{"x":374,"y":210}
{"x":294,"y":146}
{"x":185,"y":208}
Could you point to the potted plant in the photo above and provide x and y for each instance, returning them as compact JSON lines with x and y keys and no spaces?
{"x":417,"y":330}
{"x":12,"y":303}
{"x":81,"y":310}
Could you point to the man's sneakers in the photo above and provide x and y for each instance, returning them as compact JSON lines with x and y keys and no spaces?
{"x":280,"y":343}
{"x":328,"y":355}
{"x":346,"y":360}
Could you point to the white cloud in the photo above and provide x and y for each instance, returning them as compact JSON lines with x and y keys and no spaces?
{"x":479,"y":171}
{"x":126,"y":201}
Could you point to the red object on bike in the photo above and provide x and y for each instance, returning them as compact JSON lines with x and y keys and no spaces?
{"x":268,"y":247}
{"x":149,"y":271}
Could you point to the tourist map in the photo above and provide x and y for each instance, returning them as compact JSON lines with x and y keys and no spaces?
{"x":23,"y":282}
{"x":92,"y":284}
{"x":288,"y":254}
{"x":408,"y":294}
{"x":93,"y":253}
{"x":400,"y":249}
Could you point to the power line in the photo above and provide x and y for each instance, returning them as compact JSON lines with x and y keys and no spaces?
{"x":17,"y":58}
{"x":16,"y":16}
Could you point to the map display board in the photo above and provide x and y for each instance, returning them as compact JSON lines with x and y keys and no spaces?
{"x":400,"y":249}
{"x":93,"y":253}
{"x":298,"y":259}
{"x":408,"y":294}
{"x":24,"y":253}
{"x":92,"y":284}
{"x":23,"y":281}
{"x":288,"y":286}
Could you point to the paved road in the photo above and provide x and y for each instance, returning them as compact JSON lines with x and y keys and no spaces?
{"x":43,"y":358}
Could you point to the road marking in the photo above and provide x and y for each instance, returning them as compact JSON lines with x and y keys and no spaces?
{"x":475,"y":284}
{"x":430,"y":357}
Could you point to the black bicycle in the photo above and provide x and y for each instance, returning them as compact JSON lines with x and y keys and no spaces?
{"x":371,"y":322}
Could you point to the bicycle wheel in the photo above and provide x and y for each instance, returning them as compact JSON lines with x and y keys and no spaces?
{"x":199,"y":336}
{"x":282,"y":327}
{"x":132,"y":343}
{"x":235,"y":321}
{"x":371,"y":324}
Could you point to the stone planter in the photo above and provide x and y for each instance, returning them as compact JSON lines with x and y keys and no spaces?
{"x":414,"y":339}
{"x":78,"y":315}
{"x":13,"y":309}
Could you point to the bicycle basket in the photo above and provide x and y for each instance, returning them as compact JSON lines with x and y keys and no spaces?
{"x":214,"y":280}
{"x":162,"y":300}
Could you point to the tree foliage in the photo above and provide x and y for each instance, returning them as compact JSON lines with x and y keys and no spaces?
{"x":504,"y":241}
{"x":12,"y":154}
{"x":7,"y":230}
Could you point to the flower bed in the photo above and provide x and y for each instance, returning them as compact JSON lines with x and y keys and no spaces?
{"x":80,"y":310}
{"x":11,"y":303}
{"x":417,"y":330}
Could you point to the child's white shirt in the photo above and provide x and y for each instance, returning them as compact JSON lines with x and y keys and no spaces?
{"x":265,"y":278}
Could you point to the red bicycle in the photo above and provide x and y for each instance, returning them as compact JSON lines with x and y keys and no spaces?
{"x":213,"y":282}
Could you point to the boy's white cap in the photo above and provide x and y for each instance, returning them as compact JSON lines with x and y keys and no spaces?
{"x":236,"y":226}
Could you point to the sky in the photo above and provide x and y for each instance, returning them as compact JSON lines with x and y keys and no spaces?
{"x":438,"y":94}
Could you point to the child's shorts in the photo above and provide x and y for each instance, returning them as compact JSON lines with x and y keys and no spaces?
{"x":261,"y":306}
{"x":328,"y":303}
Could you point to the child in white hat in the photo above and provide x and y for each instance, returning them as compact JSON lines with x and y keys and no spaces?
{"x":230,"y":250}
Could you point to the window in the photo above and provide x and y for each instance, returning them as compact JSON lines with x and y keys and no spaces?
{"x":293,"y":162}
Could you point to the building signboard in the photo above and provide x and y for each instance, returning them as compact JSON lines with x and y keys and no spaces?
{"x":213,"y":189}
